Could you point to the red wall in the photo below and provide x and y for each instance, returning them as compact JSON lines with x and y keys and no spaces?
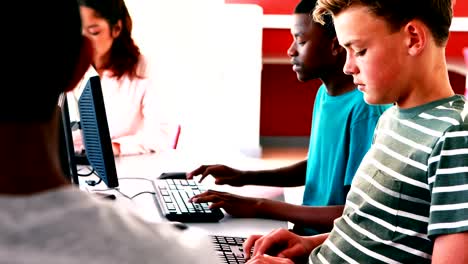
{"x":285,"y":7}
{"x":286,"y":104}
{"x":461,"y":8}
{"x":276,"y":7}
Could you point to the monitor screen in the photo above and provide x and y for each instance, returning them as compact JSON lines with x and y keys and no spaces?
{"x":95,"y":130}
{"x":66,"y":149}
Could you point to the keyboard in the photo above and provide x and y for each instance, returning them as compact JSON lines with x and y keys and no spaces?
{"x":172,"y":195}
{"x":229,"y":248}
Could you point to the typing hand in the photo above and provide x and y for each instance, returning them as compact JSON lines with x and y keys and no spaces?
{"x":265,"y":259}
{"x":235,"y":205}
{"x":222,"y":174}
{"x":280,"y":243}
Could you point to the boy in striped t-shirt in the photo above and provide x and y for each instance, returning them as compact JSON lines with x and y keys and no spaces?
{"x":408,"y":202}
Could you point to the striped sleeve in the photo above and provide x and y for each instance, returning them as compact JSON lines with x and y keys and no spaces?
{"x":448,"y":181}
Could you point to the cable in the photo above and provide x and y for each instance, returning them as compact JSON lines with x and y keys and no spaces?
{"x":153,"y":193}
{"x":123,"y":194}
{"x":87,"y":174}
{"x":93,"y":183}
{"x":103,"y":190}
{"x":135,"y":178}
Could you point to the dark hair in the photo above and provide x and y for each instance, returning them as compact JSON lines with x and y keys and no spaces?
{"x":40,"y":61}
{"x":435,"y":14}
{"x":307,"y":7}
{"x":124,"y":53}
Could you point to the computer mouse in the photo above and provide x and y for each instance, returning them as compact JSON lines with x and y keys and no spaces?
{"x":173,"y":175}
{"x":179,"y":225}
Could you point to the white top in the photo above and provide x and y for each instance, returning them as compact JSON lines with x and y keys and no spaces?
{"x":133,"y":116}
{"x":69,"y":226}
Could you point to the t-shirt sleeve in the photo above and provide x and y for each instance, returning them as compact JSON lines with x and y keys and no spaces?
{"x":448,"y":183}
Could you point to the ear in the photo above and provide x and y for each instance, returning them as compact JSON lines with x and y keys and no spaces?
{"x":336,"y":49}
{"x":116,"y":29}
{"x":416,"y":37}
{"x":84,"y":61}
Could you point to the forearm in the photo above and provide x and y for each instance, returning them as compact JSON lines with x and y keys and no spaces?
{"x":450,"y":249}
{"x":289,"y":176}
{"x":155,"y":138}
{"x":131,"y":145}
{"x":319,"y":218}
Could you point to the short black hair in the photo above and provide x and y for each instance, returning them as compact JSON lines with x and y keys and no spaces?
{"x":40,"y":55}
{"x":307,"y":7}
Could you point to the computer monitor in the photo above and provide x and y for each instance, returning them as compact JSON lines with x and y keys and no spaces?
{"x":95,"y":130}
{"x":66,"y":148}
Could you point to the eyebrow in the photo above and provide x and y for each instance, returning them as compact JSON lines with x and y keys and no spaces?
{"x":298,"y":34}
{"x":349,"y":43}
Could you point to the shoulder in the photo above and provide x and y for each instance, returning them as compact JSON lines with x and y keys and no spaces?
{"x":143,"y":67}
{"x":321,"y":94}
{"x":449,"y":116}
{"x":118,"y":226}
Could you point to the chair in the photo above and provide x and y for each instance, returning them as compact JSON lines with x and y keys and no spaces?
{"x":176,"y":136}
{"x":169,"y":135}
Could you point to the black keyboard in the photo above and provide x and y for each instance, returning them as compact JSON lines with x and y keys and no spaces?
{"x":172,"y":197}
{"x":229,"y":248}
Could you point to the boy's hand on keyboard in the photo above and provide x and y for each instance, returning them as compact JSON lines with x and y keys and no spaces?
{"x":265,"y":259}
{"x":235,"y":205}
{"x":280,"y":243}
{"x":222,"y":174}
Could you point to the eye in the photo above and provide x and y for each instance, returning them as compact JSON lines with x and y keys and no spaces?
{"x":360,"y":53}
{"x":94,"y":33}
{"x":300,"y":41}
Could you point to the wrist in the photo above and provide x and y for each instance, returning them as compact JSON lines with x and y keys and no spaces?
{"x":252,"y":177}
{"x":261,"y":208}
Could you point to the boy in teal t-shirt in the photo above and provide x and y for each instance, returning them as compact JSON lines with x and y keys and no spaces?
{"x":336,"y":150}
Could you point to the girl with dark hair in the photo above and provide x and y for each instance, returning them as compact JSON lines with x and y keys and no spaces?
{"x":134,"y":124}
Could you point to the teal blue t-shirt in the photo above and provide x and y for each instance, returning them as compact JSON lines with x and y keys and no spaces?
{"x":342,"y":132}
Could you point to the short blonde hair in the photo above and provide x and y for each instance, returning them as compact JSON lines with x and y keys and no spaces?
{"x":435,"y":14}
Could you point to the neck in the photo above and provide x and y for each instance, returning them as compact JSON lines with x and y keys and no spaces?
{"x":430,"y":85}
{"x":338,"y":83}
{"x":100,"y":63}
{"x":29,"y":158}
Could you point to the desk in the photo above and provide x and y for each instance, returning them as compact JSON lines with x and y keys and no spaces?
{"x":151,"y":166}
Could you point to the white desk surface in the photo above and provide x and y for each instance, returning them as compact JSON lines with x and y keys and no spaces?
{"x":151,"y":166}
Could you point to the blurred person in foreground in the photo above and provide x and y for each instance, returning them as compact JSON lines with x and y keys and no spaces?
{"x":44,"y":219}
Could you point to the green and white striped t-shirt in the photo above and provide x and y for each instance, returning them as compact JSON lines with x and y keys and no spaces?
{"x":410,"y":187}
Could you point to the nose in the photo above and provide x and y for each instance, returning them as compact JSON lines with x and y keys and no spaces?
{"x":350,"y":67}
{"x":292,"y":51}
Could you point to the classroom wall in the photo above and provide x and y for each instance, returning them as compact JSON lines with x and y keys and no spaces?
{"x":206,"y":69}
{"x":286,"y":104}
{"x":285,"y":7}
